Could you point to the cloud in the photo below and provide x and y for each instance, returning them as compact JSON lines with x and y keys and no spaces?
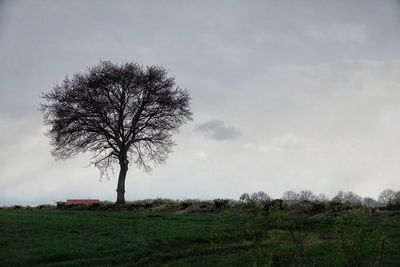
{"x":201,"y":154}
{"x":316,"y":93}
{"x":218,"y":130}
{"x":339,"y":33}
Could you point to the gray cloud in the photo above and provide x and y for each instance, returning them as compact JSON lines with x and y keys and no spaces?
{"x":218,"y":130}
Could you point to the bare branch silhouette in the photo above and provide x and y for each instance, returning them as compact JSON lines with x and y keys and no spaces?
{"x":119,"y":113}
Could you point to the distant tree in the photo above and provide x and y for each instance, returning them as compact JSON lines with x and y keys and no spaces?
{"x":353,"y":199}
{"x":121,"y":113}
{"x":387,"y":196}
{"x":397,"y":198}
{"x":260,"y":197}
{"x":348,"y":197}
{"x":306,"y":195}
{"x":369,"y":202}
{"x":245,"y":198}
{"x":321,"y":198}
{"x":339,"y":197}
{"x":290,"y":195}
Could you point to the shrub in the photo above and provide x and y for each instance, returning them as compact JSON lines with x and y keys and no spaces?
{"x":164,"y":201}
{"x":393,"y":206}
{"x":45,"y":207}
{"x":221,"y":203}
{"x":94,"y":206}
{"x":336,"y":206}
{"x":356,"y":248}
{"x":185,"y":204}
{"x":318,"y":207}
{"x":296,"y":252}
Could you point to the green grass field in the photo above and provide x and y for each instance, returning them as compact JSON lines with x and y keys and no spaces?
{"x":105,"y":238}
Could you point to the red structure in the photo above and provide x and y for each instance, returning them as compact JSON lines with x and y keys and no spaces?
{"x":82,"y":201}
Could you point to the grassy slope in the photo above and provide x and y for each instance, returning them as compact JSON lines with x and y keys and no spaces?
{"x":76,"y":238}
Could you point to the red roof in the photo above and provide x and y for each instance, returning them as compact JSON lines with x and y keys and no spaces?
{"x":82,"y":201}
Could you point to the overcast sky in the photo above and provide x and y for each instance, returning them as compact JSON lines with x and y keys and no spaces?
{"x":286,"y":95}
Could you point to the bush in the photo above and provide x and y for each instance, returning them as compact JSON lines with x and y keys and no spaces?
{"x":185,"y":204}
{"x":94,"y":206}
{"x":164,"y":201}
{"x":221,"y":203}
{"x":393,"y":206}
{"x":318,"y":207}
{"x":45,"y":207}
{"x":356,"y":248}
{"x":335,"y":206}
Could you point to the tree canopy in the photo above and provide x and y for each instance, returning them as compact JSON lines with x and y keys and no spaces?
{"x":120,"y":113}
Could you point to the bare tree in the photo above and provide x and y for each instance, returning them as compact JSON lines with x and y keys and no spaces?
{"x":396,"y":199}
{"x":260,"y":197}
{"x":321,"y":198}
{"x":339,"y":197}
{"x":120,"y":113}
{"x":387,"y":196}
{"x":290,"y":195}
{"x":369,"y":202}
{"x":306,"y":195}
{"x":348,"y":197}
{"x":245,"y":198}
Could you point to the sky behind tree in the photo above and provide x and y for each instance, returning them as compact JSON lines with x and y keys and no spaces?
{"x":286,"y":95}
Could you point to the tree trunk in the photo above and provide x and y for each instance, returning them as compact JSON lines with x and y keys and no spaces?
{"x":121,"y":181}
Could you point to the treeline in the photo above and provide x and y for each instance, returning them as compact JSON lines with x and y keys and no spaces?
{"x":259,"y":201}
{"x":387,"y":198}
